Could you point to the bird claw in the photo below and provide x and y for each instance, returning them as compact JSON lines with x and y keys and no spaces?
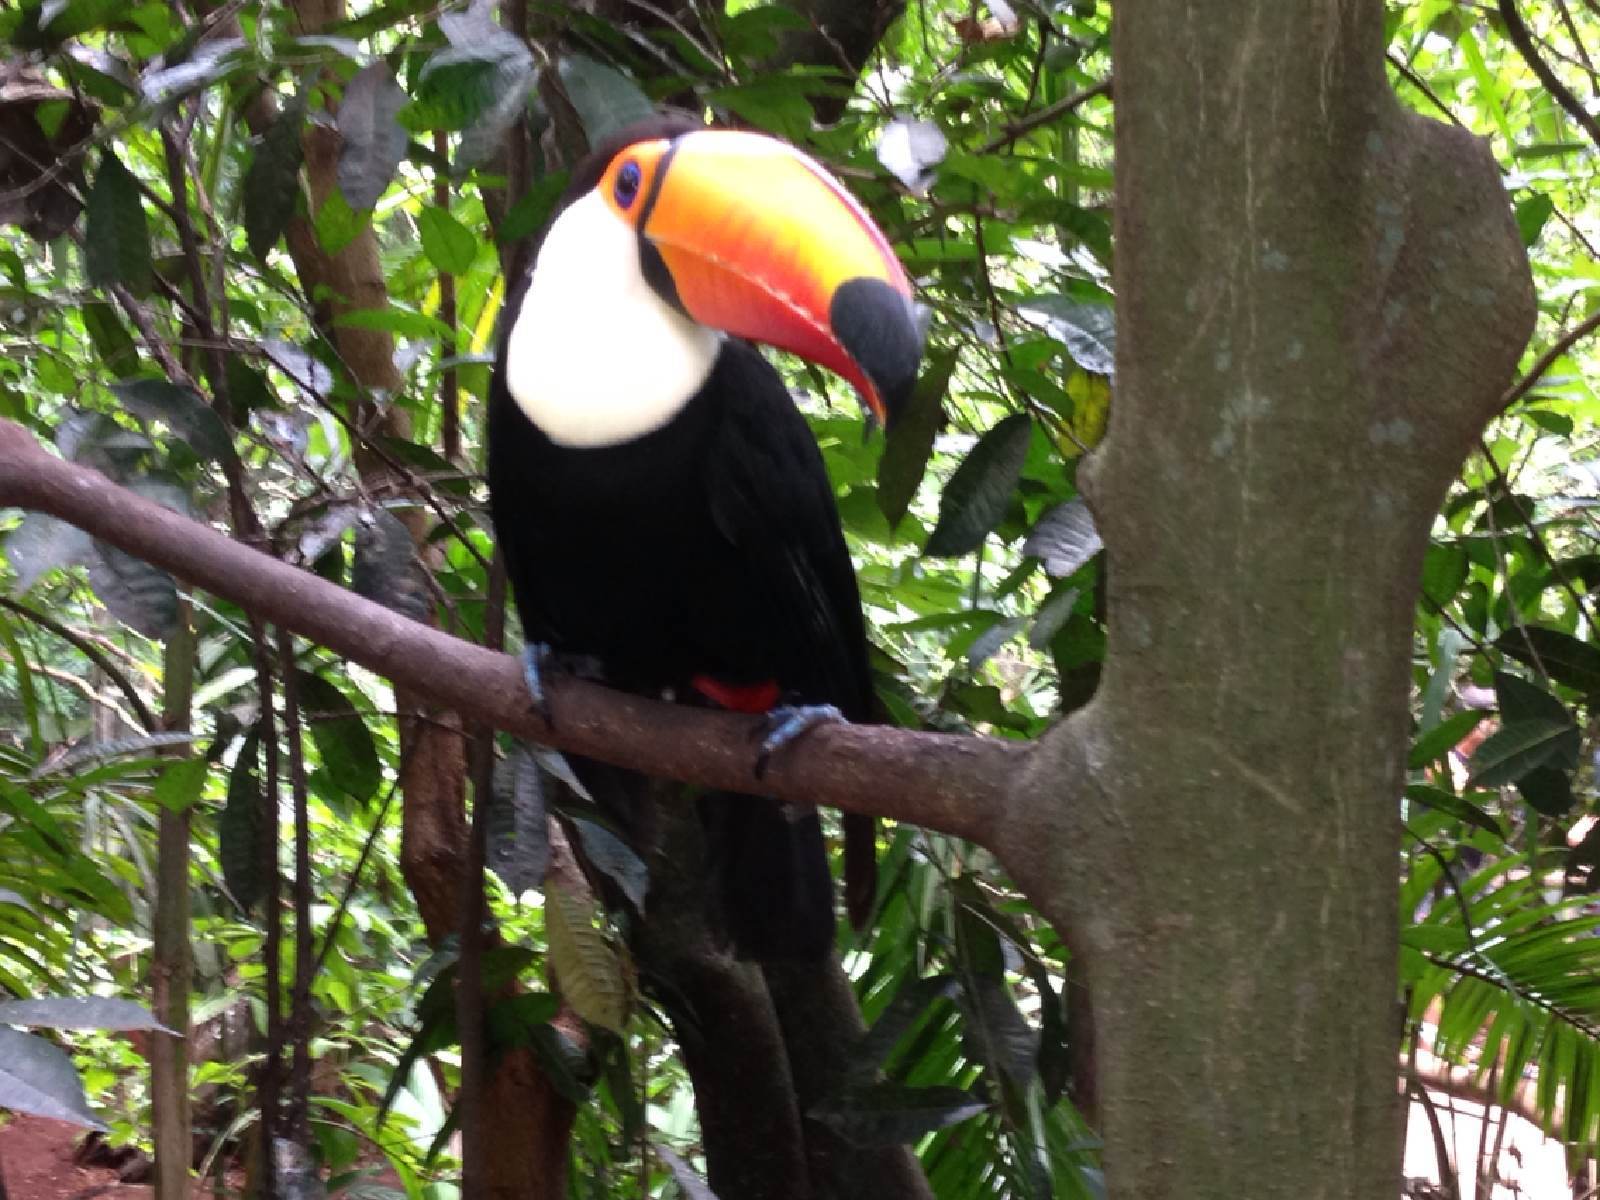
{"x":536,"y":657}
{"x":782,"y":725}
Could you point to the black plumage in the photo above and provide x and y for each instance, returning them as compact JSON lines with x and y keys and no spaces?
{"x":709,"y":548}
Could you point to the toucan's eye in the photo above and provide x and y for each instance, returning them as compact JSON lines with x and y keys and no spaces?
{"x":628,"y":179}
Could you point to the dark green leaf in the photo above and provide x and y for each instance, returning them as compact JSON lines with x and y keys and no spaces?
{"x":111,"y":341}
{"x":564,"y":1063}
{"x":477,"y":85}
{"x":613,"y":858}
{"x":1453,"y":805}
{"x":977,"y":495}
{"x":533,"y":210}
{"x":891,"y":1114}
{"x":1444,"y":737}
{"x":512,"y":1019}
{"x":386,"y":568}
{"x":910,"y":442}
{"x":449,"y":245}
{"x":1444,"y":570}
{"x":1523,"y":700}
{"x":38,"y":1078}
{"x":913,"y":999}
{"x":272,"y":184}
{"x":343,"y":740}
{"x":141,"y":596}
{"x":116,"y":236}
{"x":181,"y":409}
{"x":1568,"y":660}
{"x":519,"y":840}
{"x":78,"y":1012}
{"x":605,"y":98}
{"x":1052,"y":615}
{"x":372,"y":139}
{"x":1087,"y":330}
{"x":1064,"y":538}
{"x":1520,"y":746}
{"x":1548,"y":789}
{"x":996,"y":1027}
{"x":241,"y":827}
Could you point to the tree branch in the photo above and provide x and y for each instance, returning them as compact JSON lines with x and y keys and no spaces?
{"x":1517,"y":31}
{"x":958,"y":785}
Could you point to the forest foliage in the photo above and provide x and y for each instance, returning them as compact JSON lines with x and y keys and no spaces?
{"x":157,"y":326}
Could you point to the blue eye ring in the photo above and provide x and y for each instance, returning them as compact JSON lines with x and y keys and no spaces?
{"x":629,"y":177}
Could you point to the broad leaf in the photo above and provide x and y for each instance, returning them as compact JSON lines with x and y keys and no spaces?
{"x":75,"y":1012}
{"x":1455,"y":806}
{"x":344,"y":743}
{"x":1064,"y":538}
{"x":1433,"y":744}
{"x":372,"y":140}
{"x":588,"y":971}
{"x":892,"y":1114}
{"x":179,"y":786}
{"x":910,"y":442}
{"x":605,"y":98}
{"x":241,"y":827}
{"x":116,"y":236}
{"x":141,"y":596}
{"x":1087,"y":330}
{"x":613,"y":858}
{"x":449,"y":245}
{"x":36,"y":1077}
{"x":181,"y":409}
{"x":386,"y":568}
{"x":1568,"y":660}
{"x":272,"y":184}
{"x":978,"y":493}
{"x":519,"y":839}
{"x":42,"y":543}
{"x":1519,"y":747}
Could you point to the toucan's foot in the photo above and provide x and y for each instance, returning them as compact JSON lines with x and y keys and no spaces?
{"x":537,"y":658}
{"x":787,"y":722}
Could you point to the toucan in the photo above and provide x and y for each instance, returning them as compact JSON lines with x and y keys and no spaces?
{"x":660,"y":502}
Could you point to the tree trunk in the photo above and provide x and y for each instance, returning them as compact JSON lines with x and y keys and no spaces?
{"x":1320,"y":301}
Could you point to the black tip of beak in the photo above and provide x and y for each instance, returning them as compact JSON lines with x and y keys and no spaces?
{"x":881,"y":330}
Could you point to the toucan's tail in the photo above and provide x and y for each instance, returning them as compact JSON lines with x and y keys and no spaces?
{"x":772,"y":888}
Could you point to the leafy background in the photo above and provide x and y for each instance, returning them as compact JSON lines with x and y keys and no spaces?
{"x":165,"y":336}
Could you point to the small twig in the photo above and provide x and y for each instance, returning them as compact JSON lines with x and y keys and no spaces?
{"x":1548,"y":359}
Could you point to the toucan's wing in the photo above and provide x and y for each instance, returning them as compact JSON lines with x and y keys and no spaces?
{"x":770,"y":496}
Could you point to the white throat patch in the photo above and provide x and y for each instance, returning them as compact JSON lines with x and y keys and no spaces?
{"x":595,"y":357}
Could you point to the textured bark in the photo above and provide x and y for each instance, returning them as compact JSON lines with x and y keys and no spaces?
{"x":1321,"y":299}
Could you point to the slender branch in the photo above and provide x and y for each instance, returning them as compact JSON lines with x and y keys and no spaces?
{"x":1517,"y":31}
{"x":1545,"y":361}
{"x":958,"y":785}
{"x":1047,"y":114}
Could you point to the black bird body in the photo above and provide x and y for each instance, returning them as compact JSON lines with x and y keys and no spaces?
{"x":697,"y":549}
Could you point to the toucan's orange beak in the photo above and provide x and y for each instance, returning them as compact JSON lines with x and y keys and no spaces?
{"x":746,"y":234}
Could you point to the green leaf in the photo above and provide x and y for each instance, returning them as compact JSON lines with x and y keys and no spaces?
{"x":1444,"y":570}
{"x":372,"y":139}
{"x":38,"y":1078}
{"x":892,"y":1114}
{"x":116,"y":236}
{"x":588,"y":970}
{"x":141,"y":596}
{"x":1522,"y":700}
{"x":1532,"y":213}
{"x":241,"y":827}
{"x":79,"y":1012}
{"x":1568,"y":660}
{"x":910,"y":1004}
{"x":179,"y":786}
{"x":112,"y":342}
{"x":615,"y":859}
{"x":272,"y":184}
{"x":910,"y":441}
{"x":449,"y":245}
{"x":532,"y":211}
{"x":1453,"y":805}
{"x":1064,"y":538}
{"x":182,"y":410}
{"x":1548,"y":789}
{"x":386,"y":569}
{"x":605,"y":98}
{"x":977,"y":495}
{"x":1433,"y":744}
{"x":1519,"y":747}
{"x":1087,"y":330}
{"x":519,"y":836}
{"x":343,"y":740}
